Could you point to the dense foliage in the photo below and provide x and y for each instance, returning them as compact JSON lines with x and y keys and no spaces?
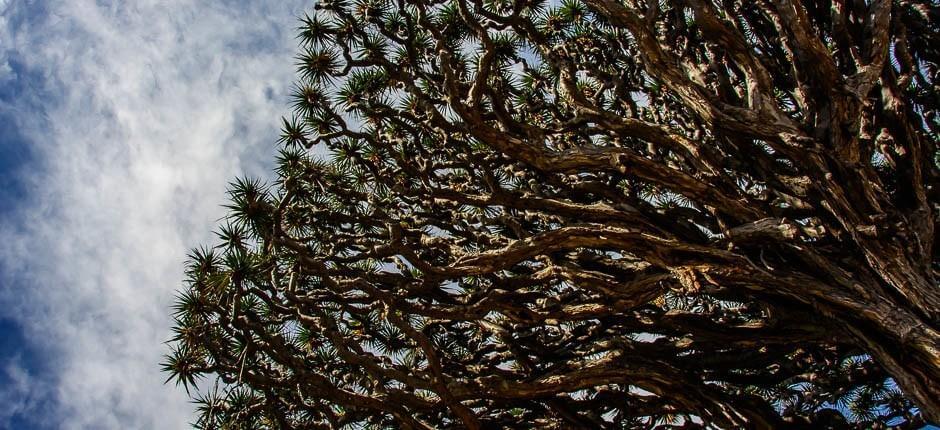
{"x":586,"y":214}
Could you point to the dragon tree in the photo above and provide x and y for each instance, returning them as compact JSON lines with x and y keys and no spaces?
{"x":585,"y":214}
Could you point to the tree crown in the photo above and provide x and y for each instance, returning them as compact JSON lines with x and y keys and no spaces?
{"x":592,"y":214}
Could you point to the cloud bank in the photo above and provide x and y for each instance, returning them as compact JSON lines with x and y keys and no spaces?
{"x":133,"y":116}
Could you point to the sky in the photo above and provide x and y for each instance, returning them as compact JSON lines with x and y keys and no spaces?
{"x":121,"y":123}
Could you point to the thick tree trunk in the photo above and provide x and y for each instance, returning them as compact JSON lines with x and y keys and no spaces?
{"x":907,"y":346}
{"x":886,"y":307}
{"x":907,"y":339}
{"x":901,"y":340}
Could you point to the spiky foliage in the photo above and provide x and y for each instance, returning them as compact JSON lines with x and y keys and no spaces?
{"x":585,"y":214}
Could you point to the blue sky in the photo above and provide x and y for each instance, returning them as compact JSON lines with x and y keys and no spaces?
{"x":120,"y":124}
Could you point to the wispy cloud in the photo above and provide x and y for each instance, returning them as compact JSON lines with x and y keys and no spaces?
{"x":147,"y":109}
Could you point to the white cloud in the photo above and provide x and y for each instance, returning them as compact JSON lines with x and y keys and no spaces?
{"x":17,"y":396}
{"x":6,"y":72}
{"x":155,"y":106}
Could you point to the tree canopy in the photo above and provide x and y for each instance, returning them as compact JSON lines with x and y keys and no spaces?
{"x":585,"y":214}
